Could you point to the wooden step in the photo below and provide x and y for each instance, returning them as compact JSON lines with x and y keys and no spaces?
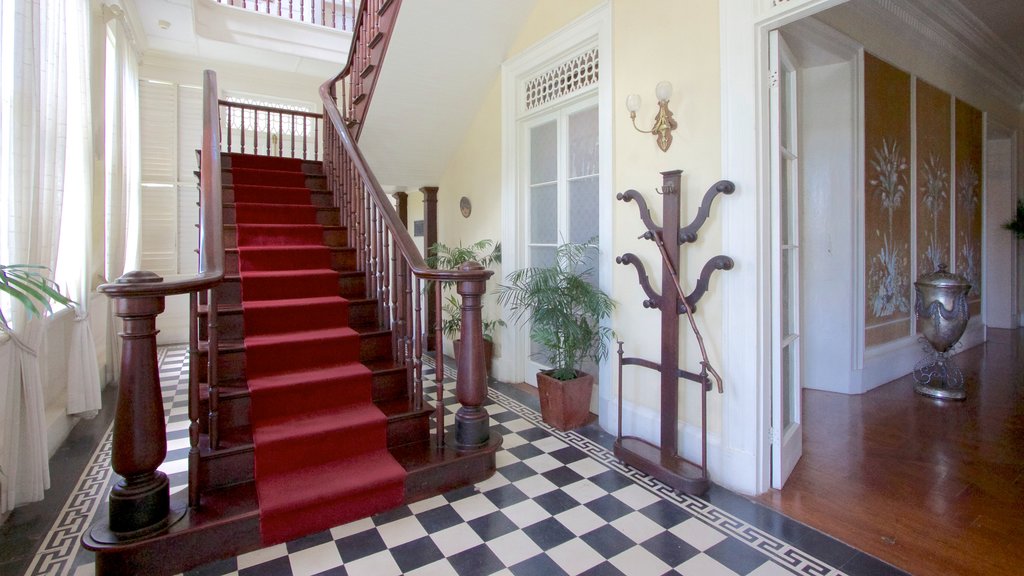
{"x":334,"y":236}
{"x":233,"y":462}
{"x":312,"y":167}
{"x":226,"y":523}
{"x":342,"y":258}
{"x":231,"y":324}
{"x":324,"y":216}
{"x":320,"y":198}
{"x":315,"y":182}
{"x":351,"y":286}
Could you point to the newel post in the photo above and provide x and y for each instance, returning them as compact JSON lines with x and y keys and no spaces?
{"x":471,"y":420}
{"x":139,"y":503}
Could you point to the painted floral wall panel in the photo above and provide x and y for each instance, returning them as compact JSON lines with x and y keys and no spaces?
{"x":934,"y":119}
{"x":967,"y":237}
{"x":887,"y":201}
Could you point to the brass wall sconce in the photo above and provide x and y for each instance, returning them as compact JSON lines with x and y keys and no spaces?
{"x":664,"y":124}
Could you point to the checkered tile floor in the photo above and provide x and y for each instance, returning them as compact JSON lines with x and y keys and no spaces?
{"x":558,"y":504}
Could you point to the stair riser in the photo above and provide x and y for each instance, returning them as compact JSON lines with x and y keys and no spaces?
{"x":324,"y":216}
{"x":350,"y":286}
{"x":309,"y":167}
{"x":333,"y":237}
{"x":236,"y":466}
{"x":314,"y":183}
{"x":319,"y":198}
{"x":234,"y":411}
{"x":231,"y":364}
{"x":341,"y":259}
{"x":340,"y":443}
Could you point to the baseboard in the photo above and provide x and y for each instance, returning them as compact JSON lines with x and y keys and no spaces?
{"x":644,"y":423}
{"x":888,"y":362}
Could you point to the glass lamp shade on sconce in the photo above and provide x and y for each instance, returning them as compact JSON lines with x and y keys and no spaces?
{"x":664,"y":124}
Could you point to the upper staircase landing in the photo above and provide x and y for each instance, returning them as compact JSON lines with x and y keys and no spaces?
{"x":204,"y":28}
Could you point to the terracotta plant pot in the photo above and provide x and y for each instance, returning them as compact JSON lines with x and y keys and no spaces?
{"x":565,"y":404}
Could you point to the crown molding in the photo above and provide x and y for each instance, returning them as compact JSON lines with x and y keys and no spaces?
{"x":962,"y":36}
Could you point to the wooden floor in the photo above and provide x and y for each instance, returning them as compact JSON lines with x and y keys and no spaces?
{"x":931,"y":487}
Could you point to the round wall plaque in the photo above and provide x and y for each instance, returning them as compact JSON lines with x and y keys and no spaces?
{"x":465,"y":207}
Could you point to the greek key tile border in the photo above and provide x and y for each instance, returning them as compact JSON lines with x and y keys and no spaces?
{"x":787,"y":556}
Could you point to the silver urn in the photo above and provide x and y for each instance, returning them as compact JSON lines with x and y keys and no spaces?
{"x":943,"y":314}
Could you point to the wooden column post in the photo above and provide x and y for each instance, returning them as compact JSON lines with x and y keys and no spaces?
{"x":671,"y":304}
{"x":402,"y":206}
{"x":140,"y":503}
{"x":429,"y":238}
{"x":471,"y":420}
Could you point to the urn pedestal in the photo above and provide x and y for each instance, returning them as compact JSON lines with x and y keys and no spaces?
{"x":942,"y":313}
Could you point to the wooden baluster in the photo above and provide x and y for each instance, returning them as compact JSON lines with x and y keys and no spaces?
{"x":242,"y":130}
{"x":213,"y":367}
{"x":293,"y":136}
{"x":378,"y":264}
{"x":438,"y":362}
{"x":388,"y":294}
{"x":316,"y":138}
{"x":429,"y":239}
{"x":139,"y":503}
{"x":302,"y":10}
{"x":230,"y":113}
{"x":280,"y":134}
{"x":417,"y":329}
{"x":269,"y":130}
{"x":193,"y":400}
{"x":279,"y":8}
{"x":471,"y":429}
{"x":305,"y":135}
{"x":255,"y":131}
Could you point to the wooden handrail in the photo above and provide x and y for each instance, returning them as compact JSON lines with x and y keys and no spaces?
{"x":140,"y":504}
{"x":395,"y":270}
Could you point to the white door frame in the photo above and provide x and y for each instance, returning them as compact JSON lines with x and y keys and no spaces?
{"x":746,"y":225}
{"x":593,"y":28}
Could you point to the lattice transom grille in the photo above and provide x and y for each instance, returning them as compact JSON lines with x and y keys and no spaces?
{"x":566,"y":78}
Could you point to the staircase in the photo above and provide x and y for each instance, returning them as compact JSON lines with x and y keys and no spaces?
{"x":307,"y":401}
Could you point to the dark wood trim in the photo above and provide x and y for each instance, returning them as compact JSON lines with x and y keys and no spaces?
{"x":402,"y":206}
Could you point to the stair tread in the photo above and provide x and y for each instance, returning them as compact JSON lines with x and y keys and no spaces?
{"x":288,"y":379}
{"x":288,"y":302}
{"x":298,"y":487}
{"x":301,"y":336}
{"x":294,"y":428}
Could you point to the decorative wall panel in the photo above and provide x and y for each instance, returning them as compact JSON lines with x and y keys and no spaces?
{"x":934,"y":148}
{"x":967,"y":226}
{"x":887,"y":220}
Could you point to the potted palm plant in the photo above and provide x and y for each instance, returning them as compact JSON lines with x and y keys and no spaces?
{"x":486,"y":253}
{"x":28,"y":285}
{"x":565,"y":309}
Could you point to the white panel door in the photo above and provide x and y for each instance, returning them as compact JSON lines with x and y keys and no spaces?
{"x":562,"y":180}
{"x":787,"y":433}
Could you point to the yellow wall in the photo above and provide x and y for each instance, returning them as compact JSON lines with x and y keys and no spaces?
{"x":675,"y":41}
{"x":670,"y":40}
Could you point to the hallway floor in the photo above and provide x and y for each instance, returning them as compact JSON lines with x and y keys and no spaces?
{"x":930,"y":486}
{"x":560,"y":503}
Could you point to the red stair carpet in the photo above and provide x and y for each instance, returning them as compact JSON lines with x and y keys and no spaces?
{"x":320,"y":442}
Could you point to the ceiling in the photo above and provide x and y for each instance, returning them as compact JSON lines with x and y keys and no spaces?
{"x":1005,"y":19}
{"x":207,"y":30}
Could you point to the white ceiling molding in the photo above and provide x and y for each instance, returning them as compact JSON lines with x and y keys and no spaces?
{"x":962,"y":36}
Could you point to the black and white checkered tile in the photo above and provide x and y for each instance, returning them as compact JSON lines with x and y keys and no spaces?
{"x":559,"y":503}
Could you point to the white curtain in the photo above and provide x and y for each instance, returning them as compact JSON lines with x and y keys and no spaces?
{"x":73,"y":258}
{"x":44,"y":67}
{"x":124,"y":177}
{"x":23,"y":460}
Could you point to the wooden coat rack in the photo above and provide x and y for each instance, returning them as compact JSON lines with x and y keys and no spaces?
{"x":665,"y":462}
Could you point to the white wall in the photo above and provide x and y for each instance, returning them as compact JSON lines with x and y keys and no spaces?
{"x":1000,"y":298}
{"x":828,"y":139}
